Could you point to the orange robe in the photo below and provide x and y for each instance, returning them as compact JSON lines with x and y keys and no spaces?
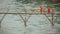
{"x":48,"y":9}
{"x":41,"y":9}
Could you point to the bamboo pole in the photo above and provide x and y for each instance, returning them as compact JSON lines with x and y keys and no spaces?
{"x":3,"y":17}
{"x":31,"y":13}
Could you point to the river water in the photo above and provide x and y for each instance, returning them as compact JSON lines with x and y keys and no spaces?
{"x":13,"y":23}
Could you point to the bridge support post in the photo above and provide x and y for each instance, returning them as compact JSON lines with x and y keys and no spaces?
{"x":52,"y":18}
